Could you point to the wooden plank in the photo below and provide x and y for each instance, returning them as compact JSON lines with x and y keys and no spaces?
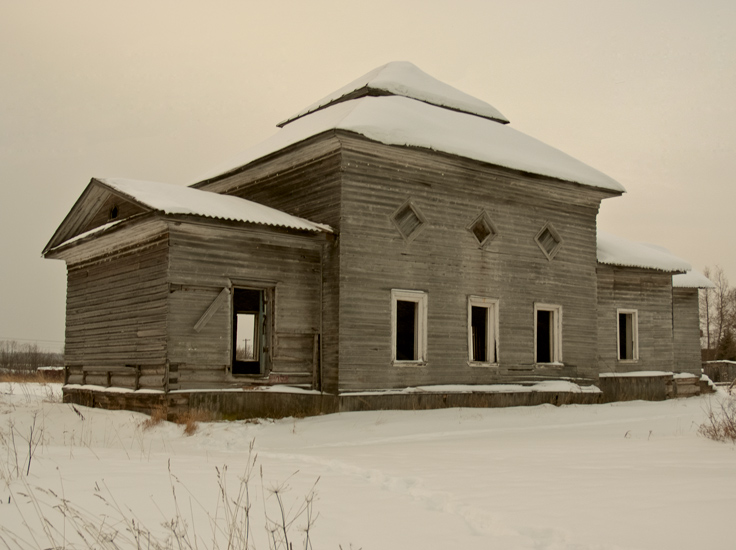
{"x":222,"y":297}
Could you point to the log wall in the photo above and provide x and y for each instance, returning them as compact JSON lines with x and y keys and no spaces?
{"x":303,"y":180}
{"x":205,"y":259}
{"x":446,"y":261}
{"x":650,"y":293}
{"x":686,"y":327}
{"x":116,"y":314}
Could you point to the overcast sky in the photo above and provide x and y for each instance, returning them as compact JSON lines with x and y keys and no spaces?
{"x":166,"y":90}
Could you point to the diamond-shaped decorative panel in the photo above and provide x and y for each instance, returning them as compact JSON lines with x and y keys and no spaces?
{"x":483,"y":229}
{"x":408,"y":220}
{"x":549,"y":241}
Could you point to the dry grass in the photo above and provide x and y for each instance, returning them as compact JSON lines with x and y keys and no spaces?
{"x":158,"y":415}
{"x":191,"y":419}
{"x":19,"y":377}
{"x":721,"y":423}
{"x":115,"y":527}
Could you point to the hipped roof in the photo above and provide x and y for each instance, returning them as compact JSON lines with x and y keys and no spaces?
{"x":171,"y":199}
{"x":404,"y":121}
{"x":401,"y":78}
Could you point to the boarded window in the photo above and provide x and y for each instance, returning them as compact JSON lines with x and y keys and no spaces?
{"x":628,"y":348}
{"x":549,"y":241}
{"x":408,"y":220}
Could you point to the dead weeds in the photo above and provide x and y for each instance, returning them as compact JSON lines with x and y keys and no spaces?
{"x":190,"y":420}
{"x":721,"y":422}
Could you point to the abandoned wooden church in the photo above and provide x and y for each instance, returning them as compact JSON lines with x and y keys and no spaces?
{"x":396,"y":234}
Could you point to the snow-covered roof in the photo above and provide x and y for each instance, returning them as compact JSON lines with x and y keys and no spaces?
{"x":395,"y":120}
{"x":691,"y":279}
{"x":402,"y":78}
{"x":177,"y":199}
{"x":619,"y":251}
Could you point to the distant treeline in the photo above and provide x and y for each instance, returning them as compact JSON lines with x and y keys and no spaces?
{"x":17,"y":356}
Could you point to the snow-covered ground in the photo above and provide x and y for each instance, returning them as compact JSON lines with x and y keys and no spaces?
{"x":622,"y":475}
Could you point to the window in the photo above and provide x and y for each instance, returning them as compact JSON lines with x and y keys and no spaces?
{"x":408,"y":220}
{"x":249,"y":331}
{"x":408,"y":326}
{"x":482,"y":229}
{"x":549,"y":241}
{"x":482,"y":331}
{"x":628,"y":335}
{"x":547,"y":333}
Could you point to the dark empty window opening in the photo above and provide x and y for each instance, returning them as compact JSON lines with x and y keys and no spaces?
{"x":406,"y":330}
{"x":482,"y":229}
{"x":627,"y":329}
{"x":248,"y":331}
{"x":545,"y":339}
{"x":113,"y":212}
{"x":479,"y":337}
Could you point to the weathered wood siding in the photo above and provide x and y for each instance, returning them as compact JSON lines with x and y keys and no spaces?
{"x":116,"y":311}
{"x":304,"y":180}
{"x":650,"y":293}
{"x":204,"y":259}
{"x":447,"y":263}
{"x":686,"y":320}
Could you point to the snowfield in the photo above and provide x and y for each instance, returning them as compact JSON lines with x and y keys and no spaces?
{"x":623,"y":475}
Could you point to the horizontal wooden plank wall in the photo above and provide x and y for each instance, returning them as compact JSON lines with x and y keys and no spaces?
{"x":204,"y":258}
{"x":303,"y":180}
{"x":686,"y":321}
{"x":650,"y":293}
{"x":447,"y":263}
{"x":116,"y":311}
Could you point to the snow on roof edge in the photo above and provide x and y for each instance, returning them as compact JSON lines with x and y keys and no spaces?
{"x":400,"y":121}
{"x":691,"y":279}
{"x":615,"y":250}
{"x":178,"y":199}
{"x":405,"y":79}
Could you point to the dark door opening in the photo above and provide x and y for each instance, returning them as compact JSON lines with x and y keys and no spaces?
{"x":248,"y":331}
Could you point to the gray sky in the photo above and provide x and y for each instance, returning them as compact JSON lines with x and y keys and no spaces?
{"x":165,"y":90}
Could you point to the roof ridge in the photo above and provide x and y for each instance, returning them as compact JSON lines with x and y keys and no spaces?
{"x":402,"y":78}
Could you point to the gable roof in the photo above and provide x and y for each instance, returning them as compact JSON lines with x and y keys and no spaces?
{"x":401,"y":78}
{"x":614,"y":250}
{"x":178,"y":199}
{"x":396,"y":120}
{"x":166,"y":198}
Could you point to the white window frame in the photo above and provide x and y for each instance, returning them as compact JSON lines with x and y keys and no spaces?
{"x":634,"y":334}
{"x":556,"y":326}
{"x":491,"y":305}
{"x":420,"y":298}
